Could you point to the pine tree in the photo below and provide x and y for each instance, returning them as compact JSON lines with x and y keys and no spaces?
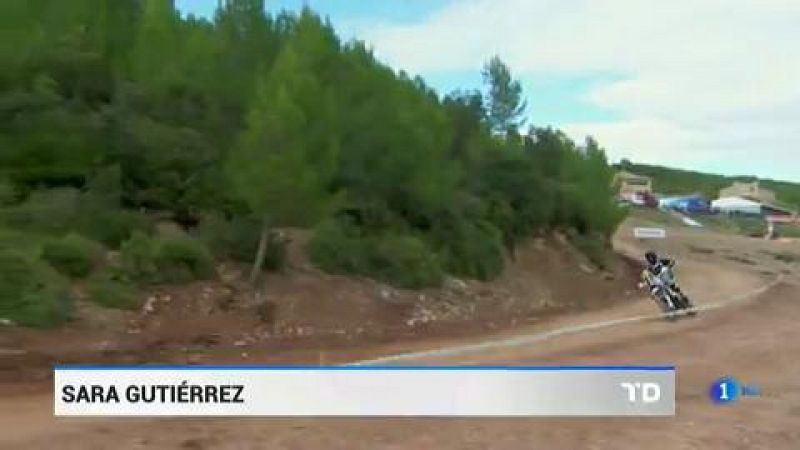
{"x":504,"y":98}
{"x":284,"y":163}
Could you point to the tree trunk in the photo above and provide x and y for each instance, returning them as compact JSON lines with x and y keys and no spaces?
{"x":261,"y":253}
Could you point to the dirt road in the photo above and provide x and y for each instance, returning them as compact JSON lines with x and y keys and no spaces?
{"x":758,"y":341}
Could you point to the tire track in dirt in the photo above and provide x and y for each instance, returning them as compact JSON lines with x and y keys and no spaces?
{"x":528,"y":339}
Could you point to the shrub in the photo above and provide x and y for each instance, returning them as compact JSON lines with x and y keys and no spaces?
{"x":337,"y":247}
{"x":8,"y":194}
{"x":138,"y":256}
{"x":184,"y":260}
{"x":23,"y":243}
{"x":519,"y":199}
{"x":46,"y":211}
{"x":472,"y":250}
{"x":58,"y":211}
{"x":236,"y":238}
{"x":111,"y":226}
{"x":594,"y":246}
{"x":149,"y":260}
{"x":111,"y":293}
{"x":31,"y":293}
{"x":789,"y":231}
{"x":402,"y":260}
{"x":73,"y":255}
{"x":750,"y":226}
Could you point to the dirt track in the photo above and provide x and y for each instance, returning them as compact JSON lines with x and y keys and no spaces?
{"x":757,"y":341}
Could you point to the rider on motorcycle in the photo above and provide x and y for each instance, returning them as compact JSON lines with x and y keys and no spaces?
{"x":654,"y":274}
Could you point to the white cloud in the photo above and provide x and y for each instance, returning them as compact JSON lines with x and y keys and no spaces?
{"x":700,"y":80}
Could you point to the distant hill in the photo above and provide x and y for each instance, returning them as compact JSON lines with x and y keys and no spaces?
{"x":667,"y":180}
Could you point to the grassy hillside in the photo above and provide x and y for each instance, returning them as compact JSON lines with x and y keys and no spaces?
{"x":677,"y":181}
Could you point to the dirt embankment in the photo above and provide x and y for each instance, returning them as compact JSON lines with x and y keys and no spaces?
{"x":304,"y":315}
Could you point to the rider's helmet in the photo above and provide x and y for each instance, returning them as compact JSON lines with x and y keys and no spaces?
{"x":651,"y":257}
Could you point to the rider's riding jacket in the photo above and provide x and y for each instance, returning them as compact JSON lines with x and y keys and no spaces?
{"x":652,"y":275}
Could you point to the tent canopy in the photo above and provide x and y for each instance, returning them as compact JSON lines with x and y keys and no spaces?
{"x":736,"y":204}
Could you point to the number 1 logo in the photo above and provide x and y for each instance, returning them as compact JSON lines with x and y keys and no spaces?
{"x":725,"y":390}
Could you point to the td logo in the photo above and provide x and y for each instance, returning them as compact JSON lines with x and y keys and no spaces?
{"x":642,"y":392}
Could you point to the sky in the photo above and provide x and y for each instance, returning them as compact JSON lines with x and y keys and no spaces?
{"x":709,"y":85}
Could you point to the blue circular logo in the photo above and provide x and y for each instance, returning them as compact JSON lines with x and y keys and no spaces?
{"x":725,"y":390}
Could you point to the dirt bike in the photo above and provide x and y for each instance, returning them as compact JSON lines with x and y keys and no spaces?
{"x":663,"y":289}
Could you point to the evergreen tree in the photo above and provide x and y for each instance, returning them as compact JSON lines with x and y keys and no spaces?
{"x":504,"y":101}
{"x":286,"y":159}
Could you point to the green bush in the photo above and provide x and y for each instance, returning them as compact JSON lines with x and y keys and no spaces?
{"x":8,"y":194}
{"x":789,"y":231}
{"x":149,"y":260}
{"x":402,"y":260}
{"x":138,"y":257}
{"x":23,"y":243}
{"x":184,"y":260}
{"x":111,"y":226}
{"x":337,"y":247}
{"x":751,"y":226}
{"x":472,"y":250}
{"x":58,"y":211}
{"x":518,"y":198}
{"x":111,"y":293}
{"x":236,"y":238}
{"x":72,"y":255}
{"x":594,"y":246}
{"x":45,"y":211}
{"x":31,"y":293}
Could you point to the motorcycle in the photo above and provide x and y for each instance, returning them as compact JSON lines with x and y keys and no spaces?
{"x":669,"y":299}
